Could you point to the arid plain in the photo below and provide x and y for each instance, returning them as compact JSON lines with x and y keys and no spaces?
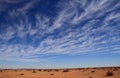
{"x":98,"y":72}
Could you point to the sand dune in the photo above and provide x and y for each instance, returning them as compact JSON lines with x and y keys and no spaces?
{"x":101,"y":72}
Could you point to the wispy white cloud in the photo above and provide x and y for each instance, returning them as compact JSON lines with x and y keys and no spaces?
{"x":112,"y":16}
{"x":96,"y":35}
{"x":24,"y":9}
{"x":9,"y":33}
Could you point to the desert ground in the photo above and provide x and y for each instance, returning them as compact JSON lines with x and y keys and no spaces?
{"x":98,"y":72}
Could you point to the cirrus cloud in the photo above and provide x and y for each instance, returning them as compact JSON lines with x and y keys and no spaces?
{"x":80,"y":27}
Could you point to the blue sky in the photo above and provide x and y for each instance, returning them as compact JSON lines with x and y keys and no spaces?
{"x":59,"y":33}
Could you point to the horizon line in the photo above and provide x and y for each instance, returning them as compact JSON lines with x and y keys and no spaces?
{"x":61,"y":68}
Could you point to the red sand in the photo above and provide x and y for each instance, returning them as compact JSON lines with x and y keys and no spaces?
{"x":62,"y":73}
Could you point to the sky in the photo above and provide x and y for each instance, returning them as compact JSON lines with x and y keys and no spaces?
{"x":59,"y":33}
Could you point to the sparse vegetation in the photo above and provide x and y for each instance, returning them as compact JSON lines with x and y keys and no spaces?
{"x":62,"y":73}
{"x":94,"y":68}
{"x":15,"y":70}
{"x":56,"y":70}
{"x":109,"y":73}
{"x":49,"y":70}
{"x":21,"y":74}
{"x":44,"y":70}
{"x":34,"y":71}
{"x":92,"y":71}
{"x":115,"y":69}
{"x":79,"y":68}
{"x":103,"y":68}
{"x":39,"y":70}
{"x":66,"y":70}
{"x":52,"y":74}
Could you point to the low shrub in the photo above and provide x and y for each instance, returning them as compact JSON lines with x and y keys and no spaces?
{"x":92,"y":71}
{"x":34,"y":71}
{"x":109,"y":73}
{"x":49,"y":70}
{"x":44,"y":70}
{"x":115,"y":69}
{"x":56,"y":70}
{"x":21,"y":74}
{"x":90,"y":77}
{"x":66,"y":70}
{"x":52,"y":74}
{"x":39,"y":70}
